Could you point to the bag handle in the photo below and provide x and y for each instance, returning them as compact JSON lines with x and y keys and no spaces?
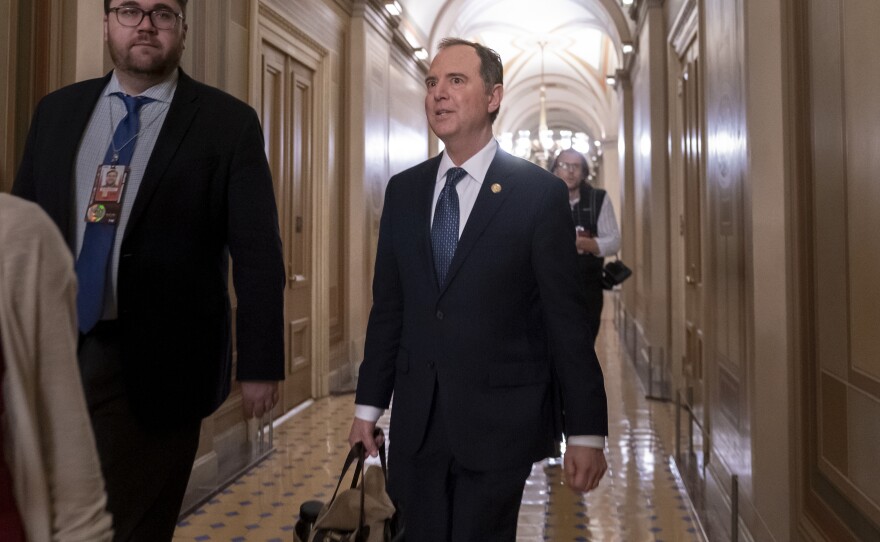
{"x":357,"y":456}
{"x":377,"y":432}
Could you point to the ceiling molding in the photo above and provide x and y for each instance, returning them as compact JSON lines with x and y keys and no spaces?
{"x":268,"y":14}
{"x":685,"y":27}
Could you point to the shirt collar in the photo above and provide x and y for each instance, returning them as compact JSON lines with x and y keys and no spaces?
{"x":162,"y":92}
{"x":476,"y":166}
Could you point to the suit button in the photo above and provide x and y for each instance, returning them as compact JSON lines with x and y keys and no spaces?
{"x":439,"y":315}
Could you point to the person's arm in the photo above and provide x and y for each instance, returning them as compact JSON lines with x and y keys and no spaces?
{"x":257,"y":271}
{"x":577,"y":369}
{"x":76,"y":484}
{"x":23,"y":186}
{"x":606,"y":241}
{"x":608,"y":237}
{"x":376,"y":376}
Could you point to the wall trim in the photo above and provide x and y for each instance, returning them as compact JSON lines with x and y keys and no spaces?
{"x":268,"y":14}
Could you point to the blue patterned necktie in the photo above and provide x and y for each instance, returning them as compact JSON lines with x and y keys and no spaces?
{"x":444,"y":230}
{"x":94,"y":257}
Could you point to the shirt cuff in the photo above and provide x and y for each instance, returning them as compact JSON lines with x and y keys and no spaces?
{"x":590,"y":441}
{"x":368,"y":413}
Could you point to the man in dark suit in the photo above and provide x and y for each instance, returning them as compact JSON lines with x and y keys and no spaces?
{"x":478,"y":326}
{"x":155,"y":341}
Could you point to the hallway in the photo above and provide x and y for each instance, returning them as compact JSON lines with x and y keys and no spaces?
{"x":640,"y":499}
{"x":738,"y":142}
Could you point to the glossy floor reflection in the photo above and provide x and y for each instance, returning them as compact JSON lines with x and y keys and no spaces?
{"x":640,"y":499}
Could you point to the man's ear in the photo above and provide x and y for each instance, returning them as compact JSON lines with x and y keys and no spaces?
{"x":495,"y":97}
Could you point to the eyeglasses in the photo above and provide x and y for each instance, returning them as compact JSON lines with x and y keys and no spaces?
{"x":564,"y":166}
{"x":163,"y":19}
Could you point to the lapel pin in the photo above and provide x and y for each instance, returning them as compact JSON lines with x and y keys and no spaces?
{"x":496,"y":188}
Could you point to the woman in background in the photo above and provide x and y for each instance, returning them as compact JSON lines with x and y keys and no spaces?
{"x":49,"y":447}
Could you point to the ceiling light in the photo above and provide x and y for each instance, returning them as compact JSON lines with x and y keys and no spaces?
{"x":394,"y":8}
{"x":627,"y":2}
{"x":611,"y":80}
{"x":411,"y":39}
{"x":627,"y":48}
{"x":421,"y":53}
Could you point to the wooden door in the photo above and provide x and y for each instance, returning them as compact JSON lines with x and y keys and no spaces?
{"x":693,"y":228}
{"x":839,"y":385}
{"x":287,"y":125}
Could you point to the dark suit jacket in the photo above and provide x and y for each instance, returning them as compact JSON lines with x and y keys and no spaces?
{"x":206,"y":193}
{"x":503,"y":341}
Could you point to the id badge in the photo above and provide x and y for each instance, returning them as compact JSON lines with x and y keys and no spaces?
{"x":105,"y":204}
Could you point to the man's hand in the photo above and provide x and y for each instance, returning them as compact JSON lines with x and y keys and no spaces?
{"x":586,"y":245}
{"x":584,"y":467}
{"x":258,"y":397}
{"x":362,"y":431}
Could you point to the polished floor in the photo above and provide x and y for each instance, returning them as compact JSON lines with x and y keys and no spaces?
{"x":640,"y":499}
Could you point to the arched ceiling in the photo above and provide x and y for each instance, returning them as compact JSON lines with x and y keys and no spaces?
{"x":582,"y":43}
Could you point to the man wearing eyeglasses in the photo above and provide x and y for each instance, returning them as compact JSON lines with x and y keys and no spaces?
{"x":153,"y":306}
{"x":597,"y":233}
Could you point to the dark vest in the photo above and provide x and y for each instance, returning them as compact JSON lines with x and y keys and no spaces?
{"x":586,"y":215}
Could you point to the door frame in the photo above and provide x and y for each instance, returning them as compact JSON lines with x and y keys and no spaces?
{"x":684,"y":35}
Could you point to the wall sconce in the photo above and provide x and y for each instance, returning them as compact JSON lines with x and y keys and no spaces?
{"x":421,"y":53}
{"x":627,"y":48}
{"x":394,"y":8}
{"x":627,"y":2}
{"x":610,"y":80}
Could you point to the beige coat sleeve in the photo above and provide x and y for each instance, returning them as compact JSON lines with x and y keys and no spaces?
{"x":54,"y":461}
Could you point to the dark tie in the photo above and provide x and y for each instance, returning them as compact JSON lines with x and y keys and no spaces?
{"x":94,"y":257}
{"x":444,"y":230}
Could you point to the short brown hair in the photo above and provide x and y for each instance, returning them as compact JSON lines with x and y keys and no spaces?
{"x":181,"y":3}
{"x":491,"y":68}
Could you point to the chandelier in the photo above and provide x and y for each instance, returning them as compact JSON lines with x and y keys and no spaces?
{"x":543,"y":148}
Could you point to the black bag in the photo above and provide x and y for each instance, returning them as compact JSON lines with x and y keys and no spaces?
{"x":308,"y":514}
{"x":362,"y":513}
{"x":614,"y":273}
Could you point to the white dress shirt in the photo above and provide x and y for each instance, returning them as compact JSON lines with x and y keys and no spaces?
{"x":108,"y":113}
{"x":608,"y":236}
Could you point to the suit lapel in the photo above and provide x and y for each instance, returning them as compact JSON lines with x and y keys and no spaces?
{"x":184,"y":106}
{"x":489,"y":200}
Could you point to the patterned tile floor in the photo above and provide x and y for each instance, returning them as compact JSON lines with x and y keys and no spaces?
{"x":640,"y":499}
